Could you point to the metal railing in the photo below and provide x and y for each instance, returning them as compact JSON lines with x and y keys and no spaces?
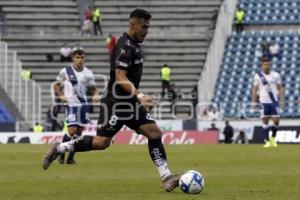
{"x":215,"y":52}
{"x":25,"y":94}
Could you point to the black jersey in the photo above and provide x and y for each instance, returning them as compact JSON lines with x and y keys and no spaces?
{"x":127,"y":55}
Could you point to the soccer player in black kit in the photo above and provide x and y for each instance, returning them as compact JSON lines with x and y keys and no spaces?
{"x":123,"y":104}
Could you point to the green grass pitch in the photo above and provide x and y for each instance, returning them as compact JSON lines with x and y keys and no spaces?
{"x":231,"y":172}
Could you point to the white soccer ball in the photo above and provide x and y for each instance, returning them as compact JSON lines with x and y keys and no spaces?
{"x":191,"y":182}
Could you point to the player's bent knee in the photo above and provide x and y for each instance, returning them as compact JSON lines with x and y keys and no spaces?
{"x":101,"y":143}
{"x":151,"y":131}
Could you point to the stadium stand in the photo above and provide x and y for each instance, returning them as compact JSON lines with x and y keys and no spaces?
{"x":271,"y":11}
{"x":242,"y":53}
{"x":40,"y":17}
{"x":5,"y":116}
{"x":20,"y":97}
{"x":8,"y":107}
{"x":177,"y":36}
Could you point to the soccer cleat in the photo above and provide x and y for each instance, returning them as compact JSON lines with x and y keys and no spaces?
{"x":50,"y":156}
{"x":61,"y":158}
{"x":71,"y":162}
{"x":267,"y":145}
{"x":70,"y":159}
{"x":171,"y":182}
{"x":273,"y":142}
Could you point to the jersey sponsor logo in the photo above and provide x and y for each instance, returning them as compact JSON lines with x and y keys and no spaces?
{"x":139,"y":61}
{"x":122,"y":64}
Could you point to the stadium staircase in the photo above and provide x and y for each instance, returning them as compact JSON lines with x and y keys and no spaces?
{"x":178,"y":37}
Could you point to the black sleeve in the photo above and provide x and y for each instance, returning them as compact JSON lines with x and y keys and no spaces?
{"x":123,"y":58}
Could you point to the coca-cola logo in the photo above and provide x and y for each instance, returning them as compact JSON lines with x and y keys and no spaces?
{"x":174,"y":137}
{"x":48,"y":139}
{"x":167,"y":138}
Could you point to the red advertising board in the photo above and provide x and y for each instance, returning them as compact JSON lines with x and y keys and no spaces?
{"x":170,"y":137}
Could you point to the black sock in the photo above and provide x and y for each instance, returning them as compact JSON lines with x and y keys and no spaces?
{"x":157,"y":151}
{"x":83,"y":143}
{"x":71,"y":155}
{"x":274,"y":130}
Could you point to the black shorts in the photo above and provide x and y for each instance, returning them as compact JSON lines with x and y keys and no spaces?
{"x":113,"y":116}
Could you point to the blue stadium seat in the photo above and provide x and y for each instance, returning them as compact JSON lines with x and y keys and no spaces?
{"x":5,"y":116}
{"x":271,"y":11}
{"x":241,"y":62}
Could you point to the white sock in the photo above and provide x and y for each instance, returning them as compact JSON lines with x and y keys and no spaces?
{"x":66,"y":146}
{"x":163,"y":170}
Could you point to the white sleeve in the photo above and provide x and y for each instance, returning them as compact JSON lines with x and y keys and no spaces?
{"x":278,"y":79}
{"x":256,"y":80}
{"x":62,"y":76}
{"x":90,"y":79}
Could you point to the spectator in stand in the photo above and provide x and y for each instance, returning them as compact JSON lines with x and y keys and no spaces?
{"x":173,"y":95}
{"x":65,"y":53}
{"x":241,"y":138}
{"x":2,"y":22}
{"x":110,"y":41}
{"x":270,"y":50}
{"x":88,"y":14}
{"x":26,"y":74}
{"x":239,"y":17}
{"x":49,"y":57}
{"x":38,"y":128}
{"x":195,"y":100}
{"x":86,"y":28}
{"x":228,"y":133}
{"x":213,"y":114}
{"x":213,"y":127}
{"x":96,"y":20}
{"x":165,"y":75}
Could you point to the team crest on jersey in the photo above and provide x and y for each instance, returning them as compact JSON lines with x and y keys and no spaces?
{"x":122,"y":64}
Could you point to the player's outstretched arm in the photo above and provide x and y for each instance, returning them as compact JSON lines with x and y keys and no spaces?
{"x":123,"y":81}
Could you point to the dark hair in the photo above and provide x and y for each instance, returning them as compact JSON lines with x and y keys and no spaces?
{"x":265,"y":59}
{"x":140,"y":14}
